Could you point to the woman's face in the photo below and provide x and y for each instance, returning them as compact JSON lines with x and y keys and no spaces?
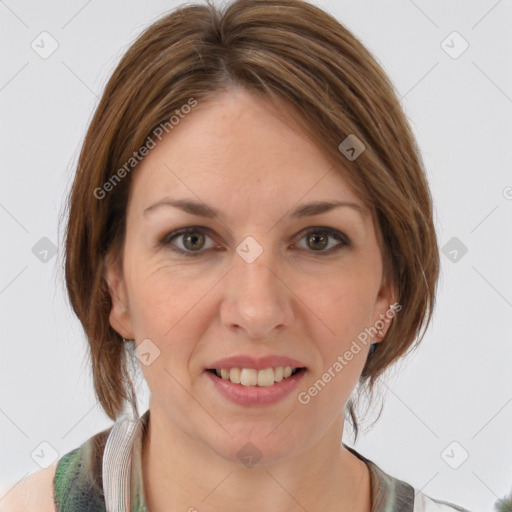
{"x":255,"y":280}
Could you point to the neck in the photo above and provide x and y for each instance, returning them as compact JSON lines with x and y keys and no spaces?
{"x":183,"y":471}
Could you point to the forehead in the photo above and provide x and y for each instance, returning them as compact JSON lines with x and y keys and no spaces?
{"x":238,"y":147}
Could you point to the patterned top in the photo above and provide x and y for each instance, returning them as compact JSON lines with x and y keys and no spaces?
{"x":104,"y":474}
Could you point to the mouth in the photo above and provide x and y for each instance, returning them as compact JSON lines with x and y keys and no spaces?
{"x":251,"y":377}
{"x":250,"y":387}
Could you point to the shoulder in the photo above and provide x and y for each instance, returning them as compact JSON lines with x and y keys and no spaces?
{"x":423,"y":503}
{"x":73,"y":478}
{"x":390,"y":493}
{"x":33,"y":493}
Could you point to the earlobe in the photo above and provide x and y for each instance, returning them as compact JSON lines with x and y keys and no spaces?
{"x":119,"y":317}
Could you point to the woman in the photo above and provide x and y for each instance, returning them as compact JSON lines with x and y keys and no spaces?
{"x":250,"y":214}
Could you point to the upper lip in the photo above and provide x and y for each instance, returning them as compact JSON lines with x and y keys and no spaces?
{"x":258,"y":363}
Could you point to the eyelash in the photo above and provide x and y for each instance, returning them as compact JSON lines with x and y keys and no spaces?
{"x":334,"y":233}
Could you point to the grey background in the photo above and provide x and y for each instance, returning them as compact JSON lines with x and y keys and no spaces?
{"x":456,"y":387}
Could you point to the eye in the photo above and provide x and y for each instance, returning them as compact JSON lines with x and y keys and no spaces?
{"x":317,"y":239}
{"x":193,"y":239}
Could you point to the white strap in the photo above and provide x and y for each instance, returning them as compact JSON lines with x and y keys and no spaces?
{"x":116,"y":468}
{"x":423,"y":503}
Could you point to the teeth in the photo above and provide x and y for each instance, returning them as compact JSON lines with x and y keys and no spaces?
{"x":253,"y":377}
{"x":234,"y":375}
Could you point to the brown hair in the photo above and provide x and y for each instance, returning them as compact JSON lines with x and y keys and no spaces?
{"x":286,"y":50}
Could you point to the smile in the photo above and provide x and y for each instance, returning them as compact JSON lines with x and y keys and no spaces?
{"x":256,"y":387}
{"x":253,"y":377}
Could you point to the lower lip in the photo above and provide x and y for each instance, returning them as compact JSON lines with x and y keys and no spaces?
{"x":256,"y":395}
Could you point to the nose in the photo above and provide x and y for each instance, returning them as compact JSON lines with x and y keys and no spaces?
{"x":257,"y":301}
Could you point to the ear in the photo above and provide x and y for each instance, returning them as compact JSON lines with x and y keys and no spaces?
{"x":120,"y":319}
{"x":385,"y":308}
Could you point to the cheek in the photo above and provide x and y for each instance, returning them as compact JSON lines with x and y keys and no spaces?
{"x":346,"y":303}
{"x":159,"y":308}
{"x":160,"y":294}
{"x":152,"y":306}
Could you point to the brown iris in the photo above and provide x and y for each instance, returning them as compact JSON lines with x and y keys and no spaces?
{"x":315,"y":238}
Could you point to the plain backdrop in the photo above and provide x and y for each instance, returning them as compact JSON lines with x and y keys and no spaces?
{"x":446,"y":424}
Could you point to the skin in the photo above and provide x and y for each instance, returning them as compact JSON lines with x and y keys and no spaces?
{"x":242,"y":157}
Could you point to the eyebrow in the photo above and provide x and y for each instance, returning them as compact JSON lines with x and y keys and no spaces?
{"x":204,"y":210}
